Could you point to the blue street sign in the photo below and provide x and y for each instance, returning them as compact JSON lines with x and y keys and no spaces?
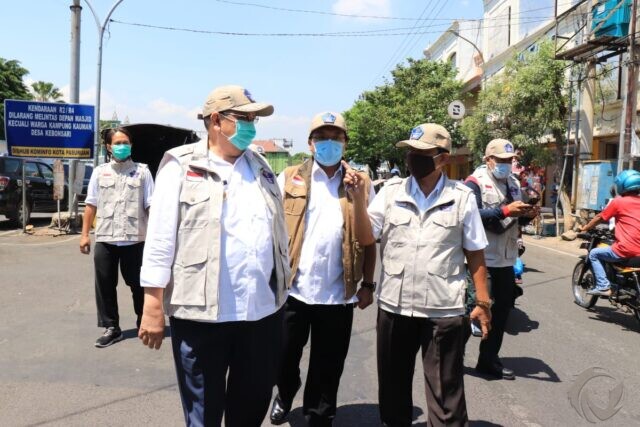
{"x":49,"y":129}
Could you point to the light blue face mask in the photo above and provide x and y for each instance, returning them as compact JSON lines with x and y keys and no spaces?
{"x":245,"y":132}
{"x":501,"y":170}
{"x":121,"y":151}
{"x":328,"y":152}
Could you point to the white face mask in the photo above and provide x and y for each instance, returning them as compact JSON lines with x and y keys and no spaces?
{"x":501,"y":170}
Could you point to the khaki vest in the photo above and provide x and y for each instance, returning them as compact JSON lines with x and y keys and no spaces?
{"x":192,"y":292}
{"x":297,"y":189}
{"x":503,"y":248}
{"x":421,"y":254}
{"x":120,"y":214}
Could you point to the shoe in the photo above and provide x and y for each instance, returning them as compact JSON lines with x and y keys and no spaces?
{"x":111,"y":336}
{"x":600,"y":292}
{"x":279,"y":411}
{"x":496,"y":370}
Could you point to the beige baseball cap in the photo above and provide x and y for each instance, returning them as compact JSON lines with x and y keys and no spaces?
{"x":500,"y":148}
{"x":426,"y":136}
{"x":328,"y":118}
{"x":234,"y":98}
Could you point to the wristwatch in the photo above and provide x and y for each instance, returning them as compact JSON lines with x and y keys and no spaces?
{"x":484,"y":304}
{"x":368,"y":285}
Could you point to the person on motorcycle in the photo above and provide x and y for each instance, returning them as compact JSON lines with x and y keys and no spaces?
{"x":627,"y":231}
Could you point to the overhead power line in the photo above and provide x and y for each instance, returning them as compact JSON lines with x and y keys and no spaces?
{"x":351,"y":15}
{"x":366,"y":33}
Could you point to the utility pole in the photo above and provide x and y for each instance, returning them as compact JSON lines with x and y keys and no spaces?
{"x":74,"y":93}
{"x":101,"y":29}
{"x":630,"y":110}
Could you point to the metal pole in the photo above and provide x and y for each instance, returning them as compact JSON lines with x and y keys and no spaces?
{"x":101,"y":29}
{"x":74,"y":91}
{"x":631,"y":88}
{"x":566,"y":156}
{"x":24,"y":196}
{"x":576,"y":135}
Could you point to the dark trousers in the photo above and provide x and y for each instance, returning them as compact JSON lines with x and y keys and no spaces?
{"x":503,"y":283}
{"x":226,"y":368}
{"x":106,"y":259}
{"x":330,"y":330}
{"x":442,"y":343}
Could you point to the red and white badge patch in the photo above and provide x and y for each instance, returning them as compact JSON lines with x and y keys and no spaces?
{"x":194,"y":176}
{"x":297,"y":180}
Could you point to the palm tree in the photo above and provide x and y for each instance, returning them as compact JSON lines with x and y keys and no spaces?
{"x":45,"y":91}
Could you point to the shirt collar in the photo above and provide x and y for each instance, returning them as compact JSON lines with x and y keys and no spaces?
{"x":316,"y":169}
{"x":417,"y":193}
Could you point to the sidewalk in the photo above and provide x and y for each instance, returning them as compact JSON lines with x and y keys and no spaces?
{"x":555,"y":244}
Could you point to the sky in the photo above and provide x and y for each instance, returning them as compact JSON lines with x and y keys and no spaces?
{"x":160,"y":75}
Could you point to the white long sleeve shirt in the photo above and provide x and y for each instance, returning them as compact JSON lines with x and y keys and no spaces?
{"x":320,"y":276}
{"x":246,"y":251}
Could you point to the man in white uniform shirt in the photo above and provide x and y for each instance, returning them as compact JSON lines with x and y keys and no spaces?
{"x":428,"y":225}
{"x":327,"y":264}
{"x":118,"y":197}
{"x":217,"y":255}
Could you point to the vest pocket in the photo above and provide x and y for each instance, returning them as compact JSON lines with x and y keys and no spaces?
{"x":295,"y":203}
{"x":133,"y":189}
{"x":443,"y":231}
{"x":188,"y":285}
{"x":445,"y":294}
{"x":189,"y":270}
{"x":133,"y":215}
{"x":104,"y":219}
{"x":391,"y":286}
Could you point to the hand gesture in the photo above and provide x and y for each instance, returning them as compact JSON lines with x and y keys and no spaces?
{"x":365,"y":297}
{"x":151,"y":330}
{"x":534,"y":211}
{"x":85,"y":244}
{"x":519,"y":208}
{"x":353,"y":182}
{"x":483,"y":316}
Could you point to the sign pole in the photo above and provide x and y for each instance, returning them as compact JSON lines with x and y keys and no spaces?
{"x":58,"y":186}
{"x":74,"y":97}
{"x":24,"y":196}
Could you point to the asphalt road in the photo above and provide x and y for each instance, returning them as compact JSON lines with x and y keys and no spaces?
{"x":51,"y":374}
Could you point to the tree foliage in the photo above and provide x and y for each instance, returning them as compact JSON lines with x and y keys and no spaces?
{"x":299,"y":157}
{"x":419,"y":92}
{"x":526,"y":104}
{"x":11,"y":86}
{"x":46,"y":92}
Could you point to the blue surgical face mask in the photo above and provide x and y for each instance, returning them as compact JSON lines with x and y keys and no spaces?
{"x":121,"y":151}
{"x":501,"y":170}
{"x":245,"y":132}
{"x":328,"y":152}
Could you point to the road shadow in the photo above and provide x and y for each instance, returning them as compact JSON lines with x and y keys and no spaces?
{"x":523,"y":367}
{"x":531,"y":270}
{"x":356,"y":414}
{"x":611,"y":314}
{"x":482,"y":423}
{"x":133,"y":333}
{"x":520,"y":322}
{"x":529,"y":367}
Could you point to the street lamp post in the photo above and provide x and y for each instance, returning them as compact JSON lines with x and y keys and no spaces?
{"x":101,"y":28}
{"x":457,"y":34}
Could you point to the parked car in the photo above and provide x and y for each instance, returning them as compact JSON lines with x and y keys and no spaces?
{"x":39,"y":183}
